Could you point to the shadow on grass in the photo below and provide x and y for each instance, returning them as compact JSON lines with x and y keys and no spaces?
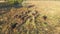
{"x":4,"y":8}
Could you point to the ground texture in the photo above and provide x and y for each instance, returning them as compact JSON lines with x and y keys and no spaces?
{"x":35,"y":17}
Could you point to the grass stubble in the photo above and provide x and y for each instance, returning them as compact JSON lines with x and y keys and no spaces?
{"x":25,"y":20}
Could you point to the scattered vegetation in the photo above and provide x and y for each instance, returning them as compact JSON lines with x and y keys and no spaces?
{"x":26,"y":21}
{"x":13,"y":1}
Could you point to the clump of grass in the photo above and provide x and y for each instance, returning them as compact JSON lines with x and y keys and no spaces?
{"x":28,"y":22}
{"x":13,"y":1}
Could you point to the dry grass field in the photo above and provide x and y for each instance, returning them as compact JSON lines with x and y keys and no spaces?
{"x":35,"y":17}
